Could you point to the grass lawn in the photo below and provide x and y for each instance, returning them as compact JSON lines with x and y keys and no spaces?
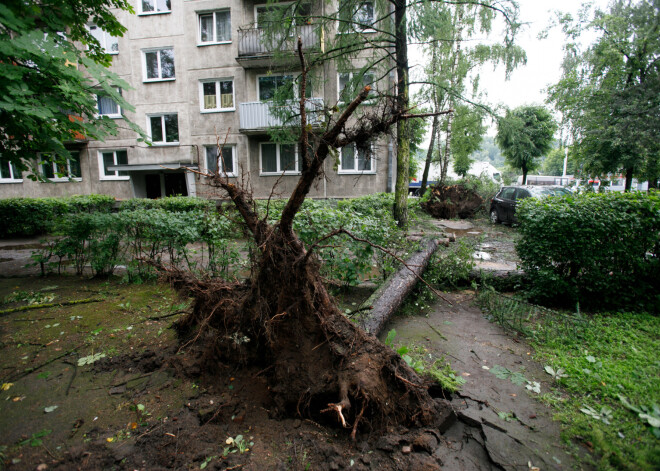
{"x":611,"y":368}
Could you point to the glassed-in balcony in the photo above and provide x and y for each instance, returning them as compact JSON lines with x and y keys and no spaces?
{"x":257,"y":116}
{"x":255,"y":47}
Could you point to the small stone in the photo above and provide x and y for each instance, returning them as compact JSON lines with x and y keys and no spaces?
{"x":406,"y":449}
{"x":297,"y":423}
{"x":42,"y":467}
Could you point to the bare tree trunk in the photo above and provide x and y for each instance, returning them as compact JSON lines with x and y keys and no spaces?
{"x":429,"y":156}
{"x":629,"y":178}
{"x":403,"y":127}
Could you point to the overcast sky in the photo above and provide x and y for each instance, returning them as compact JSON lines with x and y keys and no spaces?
{"x":526,"y":84}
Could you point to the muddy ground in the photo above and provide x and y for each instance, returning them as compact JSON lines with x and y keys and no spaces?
{"x":104,"y":384}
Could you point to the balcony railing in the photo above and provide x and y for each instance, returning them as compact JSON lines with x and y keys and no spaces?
{"x":252,"y":41}
{"x":259,"y":115}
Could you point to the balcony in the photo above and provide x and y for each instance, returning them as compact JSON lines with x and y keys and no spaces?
{"x":256,"y":50}
{"x":256,"y":117}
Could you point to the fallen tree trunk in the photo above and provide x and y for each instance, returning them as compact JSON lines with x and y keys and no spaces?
{"x":387,"y":299}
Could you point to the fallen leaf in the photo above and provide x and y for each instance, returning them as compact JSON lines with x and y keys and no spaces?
{"x":465,"y":374}
{"x":50,"y":409}
{"x":6,"y":386}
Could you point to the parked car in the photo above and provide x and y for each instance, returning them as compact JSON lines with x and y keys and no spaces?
{"x":503,"y":204}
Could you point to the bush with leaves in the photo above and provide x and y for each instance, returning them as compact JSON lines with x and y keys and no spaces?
{"x":601,"y":250}
{"x":20,"y":217}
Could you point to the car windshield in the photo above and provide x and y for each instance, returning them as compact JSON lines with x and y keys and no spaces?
{"x":548,"y":191}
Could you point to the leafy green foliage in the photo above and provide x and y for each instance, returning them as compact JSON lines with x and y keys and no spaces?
{"x":451,"y":266}
{"x":524,"y":135}
{"x":49,"y":86}
{"x":609,"y":93}
{"x":602,"y":365}
{"x":601,"y":250}
{"x":34,"y":216}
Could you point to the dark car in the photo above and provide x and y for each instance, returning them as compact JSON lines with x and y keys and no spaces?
{"x":503,"y":204}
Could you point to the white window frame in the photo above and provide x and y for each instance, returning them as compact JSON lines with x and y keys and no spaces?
{"x":279,"y":162}
{"x":42,"y":156}
{"x":162,"y":124}
{"x":119,"y":114}
{"x":12,"y":174}
{"x":234,"y":159}
{"x":155,"y":12}
{"x":215,"y":33}
{"x":160,"y":68}
{"x":106,"y":39}
{"x":354,"y":170}
{"x":351,"y":75}
{"x":116,"y":176}
{"x":217,"y":81}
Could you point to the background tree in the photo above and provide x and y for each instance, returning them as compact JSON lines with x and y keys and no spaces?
{"x":468,"y":133}
{"x":52,"y":68}
{"x":456,"y":39}
{"x":524,"y":135}
{"x":609,"y":94}
{"x":554,"y":163}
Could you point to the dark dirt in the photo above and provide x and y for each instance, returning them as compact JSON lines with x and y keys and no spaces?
{"x":450,"y":201}
{"x":193,"y":406}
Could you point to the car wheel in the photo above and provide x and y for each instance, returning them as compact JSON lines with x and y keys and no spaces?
{"x":494,"y":218}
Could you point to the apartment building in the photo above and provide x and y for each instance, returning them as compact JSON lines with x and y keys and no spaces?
{"x":202,"y":74}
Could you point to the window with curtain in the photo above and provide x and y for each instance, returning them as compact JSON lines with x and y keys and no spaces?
{"x":215,"y":27}
{"x":354,"y":160}
{"x":107,"y":106}
{"x":226,"y":162}
{"x":109,"y":43}
{"x":217,"y":95}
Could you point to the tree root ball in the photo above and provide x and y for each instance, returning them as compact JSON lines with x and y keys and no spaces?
{"x":451,"y":201}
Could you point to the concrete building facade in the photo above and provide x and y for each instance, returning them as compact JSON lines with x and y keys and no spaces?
{"x":202,"y":73}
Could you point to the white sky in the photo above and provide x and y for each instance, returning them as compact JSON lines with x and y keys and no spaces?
{"x":544,"y":57}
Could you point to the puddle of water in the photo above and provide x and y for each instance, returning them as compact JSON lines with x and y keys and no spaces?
{"x":480,"y":255}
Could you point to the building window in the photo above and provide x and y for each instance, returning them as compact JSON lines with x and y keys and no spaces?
{"x":358,"y":18}
{"x":150,"y":7}
{"x":352,"y":83}
{"x":9,"y":173}
{"x":269,"y":85}
{"x":159,"y":65}
{"x":215,"y":27}
{"x":108,"y":158}
{"x":354,"y":160}
{"x":109,"y":43}
{"x":107,"y":106}
{"x":164,"y":129}
{"x":61,"y":171}
{"x":217,"y":95}
{"x":226,"y":162}
{"x":278,"y":158}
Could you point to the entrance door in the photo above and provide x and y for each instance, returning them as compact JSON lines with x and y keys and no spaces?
{"x":152,"y":184}
{"x":175,"y":184}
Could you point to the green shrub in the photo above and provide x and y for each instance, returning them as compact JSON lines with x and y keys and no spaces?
{"x":33,"y":216}
{"x":177,"y":204}
{"x":600,"y":250}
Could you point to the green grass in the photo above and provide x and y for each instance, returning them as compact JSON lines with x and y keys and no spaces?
{"x":604,"y":357}
{"x":616,"y":356}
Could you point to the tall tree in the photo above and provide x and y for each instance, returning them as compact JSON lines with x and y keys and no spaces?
{"x":609,"y":94}
{"x":468,"y":133}
{"x":524,"y":135}
{"x":370,"y":39}
{"x":52,"y":69}
{"x":457,"y":39}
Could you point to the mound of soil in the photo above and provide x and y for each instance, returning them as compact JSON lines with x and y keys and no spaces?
{"x":451,"y":201}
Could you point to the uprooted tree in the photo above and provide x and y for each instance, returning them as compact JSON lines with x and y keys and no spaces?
{"x":318,"y":363}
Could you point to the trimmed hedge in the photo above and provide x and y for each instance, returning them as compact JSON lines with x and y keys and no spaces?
{"x":599,"y":250}
{"x":21,"y":217}
{"x":34,"y":216}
